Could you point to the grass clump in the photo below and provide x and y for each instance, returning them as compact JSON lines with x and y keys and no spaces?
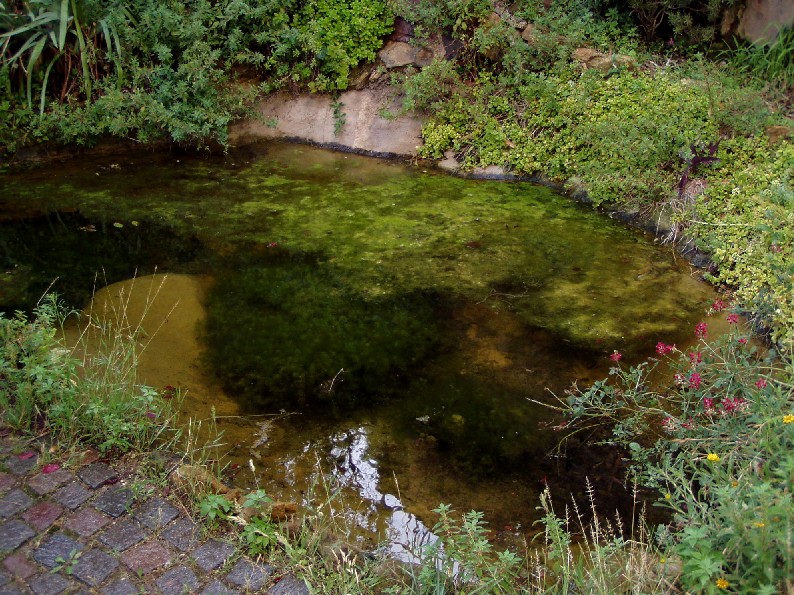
{"x":95,"y":400}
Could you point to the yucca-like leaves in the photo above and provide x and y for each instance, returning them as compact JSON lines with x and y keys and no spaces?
{"x":41,"y":36}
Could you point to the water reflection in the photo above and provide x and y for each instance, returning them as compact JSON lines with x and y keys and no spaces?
{"x":406,"y":534}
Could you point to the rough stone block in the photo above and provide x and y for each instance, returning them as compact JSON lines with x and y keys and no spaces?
{"x":94,"y":567}
{"x":49,"y":584}
{"x":250,"y":576}
{"x":183,"y":534}
{"x":73,"y":495}
{"x":115,"y":501}
{"x":124,"y":534}
{"x":123,"y":586}
{"x":218,"y":588}
{"x":44,"y":483}
{"x":21,"y":465}
{"x":289,"y":585}
{"x":13,"y":502}
{"x":42,"y":515}
{"x":86,"y":522}
{"x":55,"y":548}
{"x":10,"y":590}
{"x":177,"y":581}
{"x":98,"y":474}
{"x":7,"y":481}
{"x":146,"y":557}
{"x":13,"y":534}
{"x":19,"y":566}
{"x":155,"y":513}
{"x":212,"y":554}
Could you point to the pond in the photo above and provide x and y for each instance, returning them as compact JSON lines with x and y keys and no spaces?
{"x":387,"y":324}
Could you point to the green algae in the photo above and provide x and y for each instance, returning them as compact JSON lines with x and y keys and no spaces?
{"x":388,"y":231}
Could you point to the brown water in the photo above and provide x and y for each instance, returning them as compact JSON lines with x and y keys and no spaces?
{"x":380,"y":323}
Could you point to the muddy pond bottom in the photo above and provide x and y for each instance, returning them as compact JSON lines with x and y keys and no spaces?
{"x":360,"y":329}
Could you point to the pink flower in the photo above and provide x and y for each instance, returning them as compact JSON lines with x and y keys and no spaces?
{"x":616,"y":356}
{"x":742,"y":341}
{"x":695,"y":357}
{"x":708,"y":403}
{"x":151,"y":415}
{"x":731,"y":405}
{"x":760,"y":383}
{"x":700,"y":330}
{"x":50,"y":467}
{"x":718,"y":305}
{"x":695,"y":380}
{"x":664,"y":348}
{"x":732,"y":318}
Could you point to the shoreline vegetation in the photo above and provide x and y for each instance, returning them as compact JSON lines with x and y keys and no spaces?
{"x":661,"y":117}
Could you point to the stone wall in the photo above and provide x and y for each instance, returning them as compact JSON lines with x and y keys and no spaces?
{"x":311,"y":118}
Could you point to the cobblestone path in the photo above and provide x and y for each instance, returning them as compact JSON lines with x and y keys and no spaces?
{"x":84,"y":531}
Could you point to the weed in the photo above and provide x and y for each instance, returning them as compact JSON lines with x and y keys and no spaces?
{"x":67,"y":564}
{"x":339,"y":116}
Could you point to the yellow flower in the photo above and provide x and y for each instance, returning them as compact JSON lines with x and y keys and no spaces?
{"x":722,"y":583}
{"x":760,"y":525}
{"x":787,"y":419}
{"x":714,"y":458}
{"x":667,"y":496}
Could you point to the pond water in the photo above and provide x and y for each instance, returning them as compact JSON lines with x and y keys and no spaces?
{"x":386,"y":324}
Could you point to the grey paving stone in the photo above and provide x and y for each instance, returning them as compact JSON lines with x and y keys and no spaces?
{"x":87,"y":521}
{"x":249,"y":575}
{"x":146,"y":557}
{"x":55,"y":547}
{"x":21,"y":466}
{"x":115,"y":501}
{"x":73,"y":495}
{"x":182,"y":534}
{"x":4,"y":579}
{"x":97,"y":474}
{"x":13,"y":502}
{"x":289,"y":585}
{"x":218,"y":588}
{"x":155,"y":513}
{"x":123,"y":586}
{"x":7,"y":481}
{"x":212,"y":554}
{"x":49,"y":584}
{"x":45,"y":483}
{"x":94,"y":567}
{"x":13,"y":534}
{"x":177,"y":581}
{"x":122,"y":535}
{"x":10,"y":590}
